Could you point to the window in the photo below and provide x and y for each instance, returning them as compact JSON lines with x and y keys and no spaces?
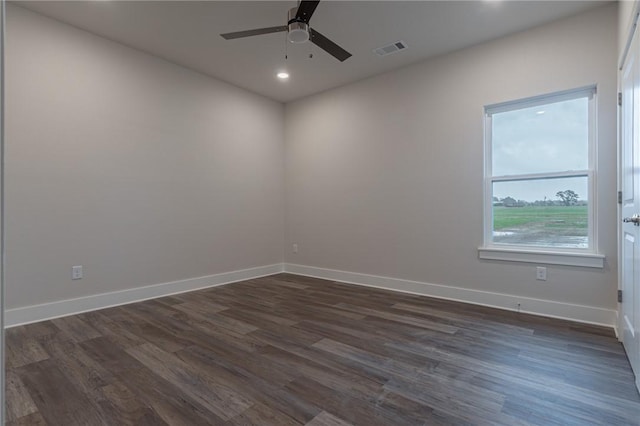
{"x":539,"y":175}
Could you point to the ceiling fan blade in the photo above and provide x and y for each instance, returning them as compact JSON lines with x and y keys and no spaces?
{"x":305,"y":10}
{"x":328,"y":46}
{"x":250,"y":33}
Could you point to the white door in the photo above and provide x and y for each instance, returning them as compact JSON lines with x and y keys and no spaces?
{"x":630,"y":186}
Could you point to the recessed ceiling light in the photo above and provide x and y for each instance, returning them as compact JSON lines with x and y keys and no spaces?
{"x":283,"y":75}
{"x":540,"y":112}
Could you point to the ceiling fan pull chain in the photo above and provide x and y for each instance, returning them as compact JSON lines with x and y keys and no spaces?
{"x":286,"y":47}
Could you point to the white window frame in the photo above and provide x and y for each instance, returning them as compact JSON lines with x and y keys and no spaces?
{"x":587,"y":257}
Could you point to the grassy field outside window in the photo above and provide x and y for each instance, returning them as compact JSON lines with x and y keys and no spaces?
{"x":562,"y":226}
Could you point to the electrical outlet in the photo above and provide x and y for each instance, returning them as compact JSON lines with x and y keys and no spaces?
{"x":294,"y":248}
{"x":76,"y":272}
{"x":541,"y":273}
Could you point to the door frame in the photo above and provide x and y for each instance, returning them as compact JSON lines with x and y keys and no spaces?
{"x":2,"y":206}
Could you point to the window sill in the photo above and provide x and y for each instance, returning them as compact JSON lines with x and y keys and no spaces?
{"x":587,"y":260}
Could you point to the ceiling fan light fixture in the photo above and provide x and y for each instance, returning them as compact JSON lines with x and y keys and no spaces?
{"x":298,"y":35}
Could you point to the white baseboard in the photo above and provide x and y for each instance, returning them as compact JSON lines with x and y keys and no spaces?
{"x":547,"y":308}
{"x":61,"y":308}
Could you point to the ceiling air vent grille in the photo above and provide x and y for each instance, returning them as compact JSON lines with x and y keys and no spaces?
{"x":392,"y":48}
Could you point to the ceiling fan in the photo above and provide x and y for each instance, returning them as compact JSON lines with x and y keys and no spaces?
{"x":298,"y":31}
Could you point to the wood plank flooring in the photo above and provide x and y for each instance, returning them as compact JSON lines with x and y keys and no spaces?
{"x":288,"y":350}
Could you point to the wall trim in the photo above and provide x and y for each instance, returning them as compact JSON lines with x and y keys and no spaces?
{"x":61,"y":308}
{"x":587,"y":260}
{"x":546,"y":308}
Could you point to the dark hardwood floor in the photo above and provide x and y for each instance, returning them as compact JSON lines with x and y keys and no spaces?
{"x":288,"y":350}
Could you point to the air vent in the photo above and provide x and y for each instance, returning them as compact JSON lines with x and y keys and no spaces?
{"x":392,"y":48}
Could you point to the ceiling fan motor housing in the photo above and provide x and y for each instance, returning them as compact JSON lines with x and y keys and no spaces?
{"x":298,"y":31}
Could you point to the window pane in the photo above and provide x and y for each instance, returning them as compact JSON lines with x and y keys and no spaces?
{"x":544,"y":213}
{"x":546,"y":138}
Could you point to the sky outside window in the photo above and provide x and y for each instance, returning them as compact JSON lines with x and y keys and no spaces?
{"x":541,"y":139}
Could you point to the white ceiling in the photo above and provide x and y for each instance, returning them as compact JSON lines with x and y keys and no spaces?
{"x":187,"y":33}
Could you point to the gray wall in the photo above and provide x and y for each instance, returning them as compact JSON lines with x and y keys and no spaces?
{"x":139,"y":170}
{"x":384,"y":176}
